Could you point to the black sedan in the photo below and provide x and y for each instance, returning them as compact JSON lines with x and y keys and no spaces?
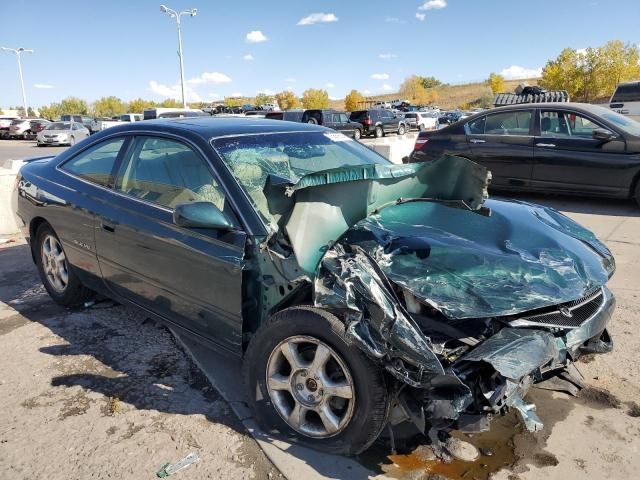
{"x":355,"y":290}
{"x":567,"y":148}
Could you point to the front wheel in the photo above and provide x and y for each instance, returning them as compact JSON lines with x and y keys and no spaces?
{"x":401,"y":130}
{"x":306,"y":383}
{"x":72,"y":141}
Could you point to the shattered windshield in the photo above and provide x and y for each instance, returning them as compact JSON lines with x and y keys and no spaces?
{"x":252,"y":158}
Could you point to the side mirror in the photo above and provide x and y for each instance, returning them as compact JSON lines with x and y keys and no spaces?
{"x":200,"y":215}
{"x":603,"y":134}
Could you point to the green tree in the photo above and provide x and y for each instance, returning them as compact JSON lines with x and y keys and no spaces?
{"x":593,"y":72}
{"x":1,"y":112}
{"x":137,"y":105}
{"x":315,"y":98}
{"x":31,"y":112}
{"x":353,"y":101}
{"x":287,"y":100}
{"x":109,"y":107}
{"x":496,"y":83}
{"x":50,"y":112}
{"x":170,"y":103}
{"x":430,"y":82}
{"x":198,"y":105}
{"x":233,"y":101}
{"x":73,"y":106}
{"x":263,"y":98}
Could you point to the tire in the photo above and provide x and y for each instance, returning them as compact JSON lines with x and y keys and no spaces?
{"x":401,"y":130}
{"x":357,"y":134}
{"x":379,"y":132}
{"x":67,"y":291}
{"x":421,"y":127}
{"x":637,"y":193}
{"x":312,"y":121}
{"x":72,"y":141}
{"x":357,"y":422}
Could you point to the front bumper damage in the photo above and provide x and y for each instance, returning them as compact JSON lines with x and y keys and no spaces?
{"x":435,"y":391}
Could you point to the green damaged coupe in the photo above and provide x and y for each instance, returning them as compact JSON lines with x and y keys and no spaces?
{"x":358,"y":293}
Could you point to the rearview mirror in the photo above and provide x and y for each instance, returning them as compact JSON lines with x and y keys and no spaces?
{"x":603,"y":134}
{"x":200,"y":215}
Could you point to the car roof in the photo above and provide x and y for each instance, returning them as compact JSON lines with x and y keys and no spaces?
{"x":210,"y":127}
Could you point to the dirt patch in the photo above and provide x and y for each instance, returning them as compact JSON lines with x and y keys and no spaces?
{"x":78,"y":404}
{"x":634,"y":410}
{"x":11,"y":323}
{"x":599,"y":398}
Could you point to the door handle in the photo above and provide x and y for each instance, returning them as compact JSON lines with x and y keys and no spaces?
{"x":477,"y":140}
{"x":108,"y":228}
{"x":548,"y":145}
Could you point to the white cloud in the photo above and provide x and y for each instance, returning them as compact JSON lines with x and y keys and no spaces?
{"x":248,"y":56}
{"x":581,"y":51}
{"x":174,"y":91}
{"x":236,"y":94}
{"x":386,"y":56}
{"x":515,"y":72}
{"x":366,"y":92}
{"x":256,"y":36}
{"x":420,"y":16}
{"x":290,"y":80}
{"x":380,"y":76}
{"x":42,"y":85}
{"x":334,"y":98}
{"x":266,"y":91}
{"x":329,"y":85}
{"x":387,"y":88}
{"x":214,"y":95}
{"x":318,"y":18}
{"x":433,"y":5}
{"x":210,"y":77}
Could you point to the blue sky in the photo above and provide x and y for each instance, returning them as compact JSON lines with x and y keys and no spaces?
{"x":91,"y":48}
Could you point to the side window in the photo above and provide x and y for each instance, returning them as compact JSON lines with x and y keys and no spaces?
{"x":508,"y":123}
{"x":566,"y":124}
{"x":343,"y":118}
{"x":168,"y":172}
{"x":96,"y":163}
{"x":476,"y":127}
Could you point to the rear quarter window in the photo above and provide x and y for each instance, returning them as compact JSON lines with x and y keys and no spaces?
{"x":95,"y":164}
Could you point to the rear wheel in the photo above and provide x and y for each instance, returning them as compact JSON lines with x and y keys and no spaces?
{"x":379,"y":132}
{"x":312,"y":121}
{"x":56,"y":273}
{"x":401,"y":130}
{"x":357,"y":134}
{"x":308,"y":384}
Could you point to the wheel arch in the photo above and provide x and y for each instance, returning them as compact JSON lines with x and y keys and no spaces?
{"x":35,"y":223}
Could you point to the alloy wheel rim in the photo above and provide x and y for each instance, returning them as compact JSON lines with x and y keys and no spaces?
{"x":310,"y":387}
{"x":54,"y":264}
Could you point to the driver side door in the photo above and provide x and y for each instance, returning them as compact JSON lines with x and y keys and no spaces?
{"x":192,"y":277}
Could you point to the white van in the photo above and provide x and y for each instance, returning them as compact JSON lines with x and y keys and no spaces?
{"x":153,"y":113}
{"x":626,"y":100}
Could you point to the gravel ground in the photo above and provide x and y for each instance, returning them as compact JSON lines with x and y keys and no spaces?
{"x":104,"y":393}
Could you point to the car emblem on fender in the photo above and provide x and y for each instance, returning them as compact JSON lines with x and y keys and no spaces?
{"x":566,"y":312}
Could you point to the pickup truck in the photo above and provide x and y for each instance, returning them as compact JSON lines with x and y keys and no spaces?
{"x":126,"y":117}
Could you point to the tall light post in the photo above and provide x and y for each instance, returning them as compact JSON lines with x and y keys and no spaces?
{"x":173,"y":14}
{"x":19,"y":52}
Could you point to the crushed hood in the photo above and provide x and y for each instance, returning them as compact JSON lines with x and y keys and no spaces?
{"x":519,"y":258}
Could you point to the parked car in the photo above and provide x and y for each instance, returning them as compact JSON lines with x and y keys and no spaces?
{"x":569,"y":148}
{"x":421,"y":120}
{"x":20,"y":128}
{"x":125,"y":117}
{"x":448,"y":118}
{"x":355,"y":290}
{"x":379,"y":122}
{"x":5,"y":123}
{"x":159,"y":112}
{"x":626,"y":100}
{"x":333,"y":119}
{"x":287,"y":115}
{"x":89,"y":122}
{"x":270,"y":107}
{"x":62,"y":133}
{"x":37,"y":125}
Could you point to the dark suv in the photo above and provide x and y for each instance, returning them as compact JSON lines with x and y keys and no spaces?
{"x":328,"y":118}
{"x":379,"y":122}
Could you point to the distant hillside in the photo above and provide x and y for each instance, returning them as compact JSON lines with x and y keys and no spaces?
{"x":452,"y":96}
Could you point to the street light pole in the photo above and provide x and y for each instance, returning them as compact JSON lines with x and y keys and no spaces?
{"x":173,"y":14}
{"x":18,"y":52}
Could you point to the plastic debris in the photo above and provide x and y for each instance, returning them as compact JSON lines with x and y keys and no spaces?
{"x":169,"y":469}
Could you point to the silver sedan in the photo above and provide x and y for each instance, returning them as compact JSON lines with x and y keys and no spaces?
{"x":62,"y":133}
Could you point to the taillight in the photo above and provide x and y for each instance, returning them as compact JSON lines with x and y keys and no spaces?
{"x":420,"y":142}
{"x":367,"y":121}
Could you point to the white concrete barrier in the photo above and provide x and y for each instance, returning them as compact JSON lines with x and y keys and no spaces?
{"x":393,"y":147}
{"x":8,"y":220}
